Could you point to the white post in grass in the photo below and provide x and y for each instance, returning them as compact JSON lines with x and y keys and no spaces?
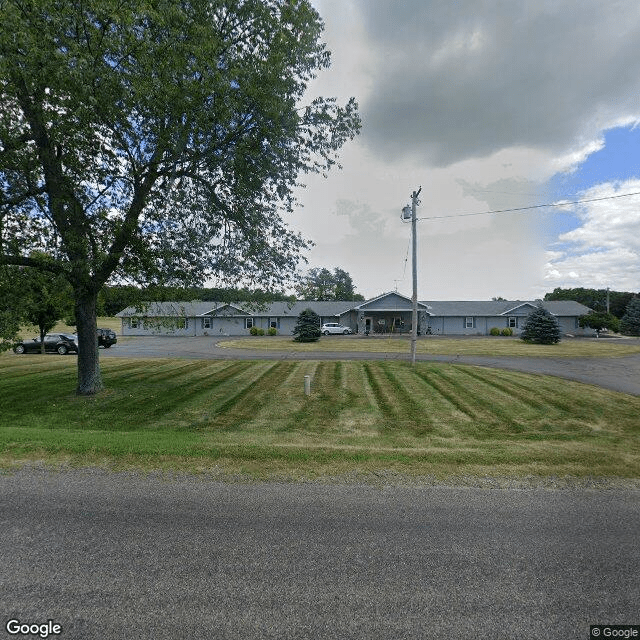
{"x":307,"y":385}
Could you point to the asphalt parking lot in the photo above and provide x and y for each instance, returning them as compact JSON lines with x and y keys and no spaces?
{"x":618,"y":374}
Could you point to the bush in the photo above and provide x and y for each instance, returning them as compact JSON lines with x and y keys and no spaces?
{"x":307,"y":327}
{"x":599,"y":321}
{"x":541,"y":327}
{"x":507,"y":331}
{"x":260,"y":332}
{"x":253,"y":331}
{"x":494,"y":331}
{"x":272,"y":331}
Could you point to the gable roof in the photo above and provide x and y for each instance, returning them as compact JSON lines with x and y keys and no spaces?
{"x":390,"y":301}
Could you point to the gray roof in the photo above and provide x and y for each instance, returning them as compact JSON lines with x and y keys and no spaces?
{"x":501,"y":307}
{"x":329,"y":308}
{"x":336,"y":308}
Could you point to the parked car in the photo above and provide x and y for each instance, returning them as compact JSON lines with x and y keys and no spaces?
{"x":61,"y":343}
{"x":334,"y":327}
{"x":106,"y":337}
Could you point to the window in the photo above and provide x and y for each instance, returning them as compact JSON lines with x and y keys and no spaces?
{"x":248,"y":323}
{"x":206,"y":323}
{"x":134,"y":323}
{"x":274,"y":323}
{"x":469,"y":322}
{"x":513,"y":322}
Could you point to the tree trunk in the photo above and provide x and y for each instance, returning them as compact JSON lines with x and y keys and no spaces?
{"x":89,"y":377}
{"x":42,"y":334}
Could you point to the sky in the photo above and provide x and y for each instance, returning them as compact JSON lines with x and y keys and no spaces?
{"x":487,"y":105}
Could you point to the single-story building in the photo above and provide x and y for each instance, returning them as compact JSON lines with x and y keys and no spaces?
{"x":387,"y":313}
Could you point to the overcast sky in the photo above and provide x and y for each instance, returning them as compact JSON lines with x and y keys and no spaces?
{"x":486,"y":105}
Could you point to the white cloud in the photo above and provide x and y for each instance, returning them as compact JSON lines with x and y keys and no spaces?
{"x":480,"y":103}
{"x":604,"y":249}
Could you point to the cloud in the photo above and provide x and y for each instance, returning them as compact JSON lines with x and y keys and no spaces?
{"x":604,"y":249}
{"x":452,"y":81}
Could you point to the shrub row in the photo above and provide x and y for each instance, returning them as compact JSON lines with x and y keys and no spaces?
{"x":271,"y":331}
{"x":507,"y":331}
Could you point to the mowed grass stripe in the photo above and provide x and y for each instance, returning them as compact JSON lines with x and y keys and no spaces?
{"x":247,"y":401}
{"x":254,"y":415}
{"x":536,"y":394}
{"x":448,"y":389}
{"x":495,"y":412}
{"x":412,"y":414}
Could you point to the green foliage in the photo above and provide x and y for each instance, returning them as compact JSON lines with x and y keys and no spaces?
{"x":507,"y":331}
{"x":541,"y":327}
{"x":630,"y":323}
{"x":595,"y":299}
{"x":253,"y":331}
{"x":322,"y":284}
{"x":147,"y":141}
{"x":272,"y":331}
{"x":307,"y":327}
{"x":33,"y":297}
{"x":599,"y":321}
{"x":494,"y":331}
{"x":260,"y":332}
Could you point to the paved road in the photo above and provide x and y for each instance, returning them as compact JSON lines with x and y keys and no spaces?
{"x":114,"y":556}
{"x":618,"y":374}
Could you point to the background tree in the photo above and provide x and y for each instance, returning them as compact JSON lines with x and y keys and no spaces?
{"x":630,"y":323}
{"x":599,"y":321}
{"x":322,"y":284}
{"x":10,"y":308}
{"x":159,"y":141}
{"x":307,"y":327}
{"x":595,"y":299}
{"x":47,"y":299}
{"x":541,"y":327}
{"x":32,"y":297}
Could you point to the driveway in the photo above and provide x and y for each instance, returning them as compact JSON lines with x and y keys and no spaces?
{"x":618,"y":374}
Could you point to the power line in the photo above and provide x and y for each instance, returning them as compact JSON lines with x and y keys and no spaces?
{"x":536,"y":206}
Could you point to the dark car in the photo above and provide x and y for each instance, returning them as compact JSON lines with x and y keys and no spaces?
{"x":61,"y":343}
{"x":106,"y":337}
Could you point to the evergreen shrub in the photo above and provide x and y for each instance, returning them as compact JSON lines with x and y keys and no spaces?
{"x":307,"y":327}
{"x":541,"y":327}
{"x":630,"y":322}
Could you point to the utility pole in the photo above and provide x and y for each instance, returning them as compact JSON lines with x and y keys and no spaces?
{"x":414,"y":296}
{"x":607,"y":299}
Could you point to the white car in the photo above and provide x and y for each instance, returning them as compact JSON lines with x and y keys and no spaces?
{"x":333,"y":327}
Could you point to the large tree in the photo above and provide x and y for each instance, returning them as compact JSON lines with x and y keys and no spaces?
{"x":323,"y":284}
{"x":158,"y":141}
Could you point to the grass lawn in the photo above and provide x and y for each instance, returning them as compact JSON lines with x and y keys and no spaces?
{"x":253,"y":418}
{"x":436,"y":345}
